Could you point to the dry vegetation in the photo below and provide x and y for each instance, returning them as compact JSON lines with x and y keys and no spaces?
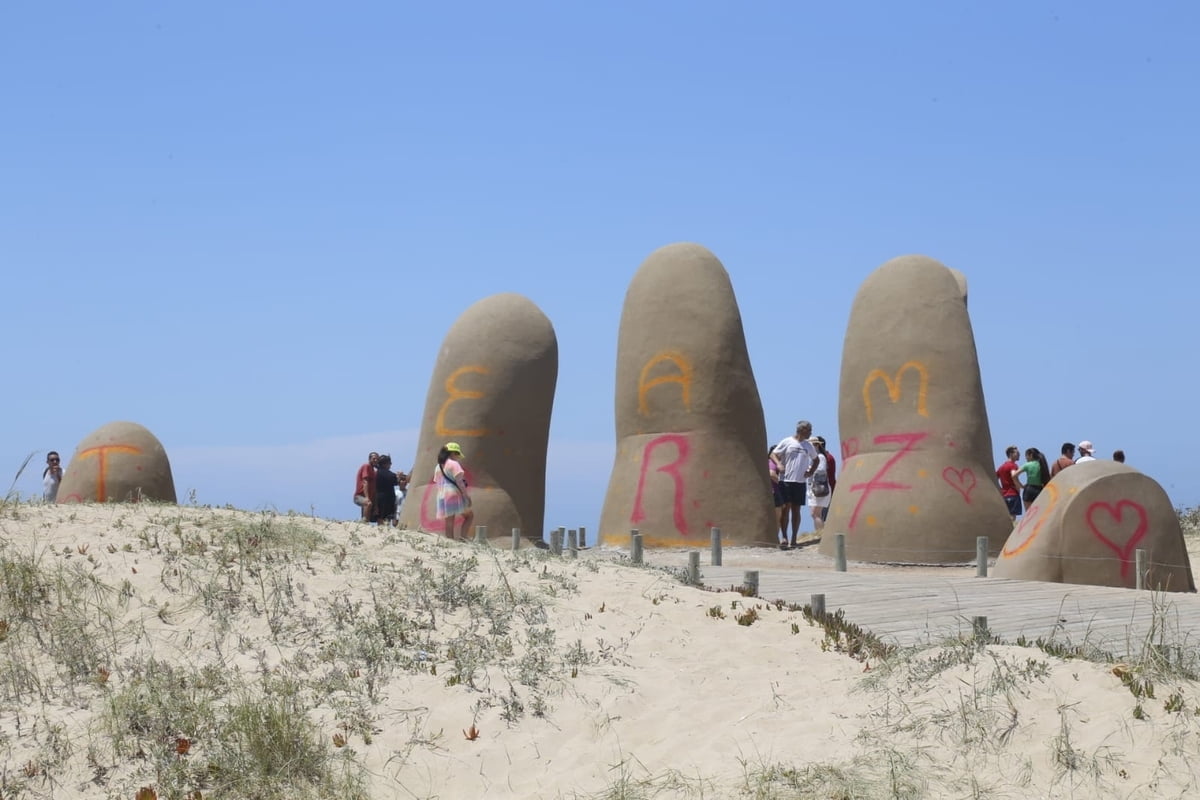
{"x":192,"y":652}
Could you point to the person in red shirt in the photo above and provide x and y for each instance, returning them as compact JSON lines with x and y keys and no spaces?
{"x":1009,"y":476}
{"x":364,"y":487}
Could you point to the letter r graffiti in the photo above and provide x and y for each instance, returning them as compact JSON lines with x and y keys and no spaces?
{"x":876,"y":484}
{"x":672,"y":469}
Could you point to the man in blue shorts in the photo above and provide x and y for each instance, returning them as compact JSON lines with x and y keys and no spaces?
{"x":797,"y":459}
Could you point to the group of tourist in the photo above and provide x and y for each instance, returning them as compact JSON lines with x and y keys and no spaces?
{"x":1021,"y":484}
{"x":379,"y":492}
{"x":803,"y":473}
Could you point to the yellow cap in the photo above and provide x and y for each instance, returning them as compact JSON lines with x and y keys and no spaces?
{"x":453,"y":447}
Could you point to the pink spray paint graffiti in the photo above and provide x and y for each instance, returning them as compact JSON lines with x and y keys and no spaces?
{"x":1109,"y":525}
{"x":876,"y":483}
{"x":961,"y":480}
{"x":429,"y":517}
{"x":671,"y":469}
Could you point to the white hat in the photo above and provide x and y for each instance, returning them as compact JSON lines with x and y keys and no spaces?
{"x":1086,"y":447}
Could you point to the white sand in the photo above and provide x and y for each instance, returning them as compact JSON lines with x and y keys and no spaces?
{"x":641,"y":691}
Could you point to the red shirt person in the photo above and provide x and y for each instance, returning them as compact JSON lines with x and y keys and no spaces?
{"x":364,"y":486}
{"x":1009,"y":476}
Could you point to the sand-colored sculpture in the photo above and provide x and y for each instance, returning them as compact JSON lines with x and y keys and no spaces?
{"x":1087,"y":525}
{"x":492,"y":392}
{"x":119,"y":462}
{"x":916,"y":482}
{"x":691,"y":443}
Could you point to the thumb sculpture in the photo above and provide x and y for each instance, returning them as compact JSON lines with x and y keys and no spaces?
{"x":916,"y":483}
{"x":118,"y":462}
{"x":492,"y":393}
{"x":690,"y":432}
{"x":1087,"y":525}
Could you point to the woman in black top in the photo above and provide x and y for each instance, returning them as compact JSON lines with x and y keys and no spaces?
{"x":384,"y":510}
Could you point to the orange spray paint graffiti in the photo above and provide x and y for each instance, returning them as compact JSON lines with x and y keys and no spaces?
{"x":894,"y":387}
{"x":683,"y":377}
{"x":1024,"y":534}
{"x":456,"y":393}
{"x":101,"y":452}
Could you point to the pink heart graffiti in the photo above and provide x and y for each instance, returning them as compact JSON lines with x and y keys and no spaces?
{"x":1114,"y":522}
{"x":960,"y":480}
{"x":849,"y":449}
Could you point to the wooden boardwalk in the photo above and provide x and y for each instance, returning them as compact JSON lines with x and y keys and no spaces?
{"x":922,"y":608}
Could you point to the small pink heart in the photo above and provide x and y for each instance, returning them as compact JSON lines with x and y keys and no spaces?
{"x":960,"y":480}
{"x":849,"y":449}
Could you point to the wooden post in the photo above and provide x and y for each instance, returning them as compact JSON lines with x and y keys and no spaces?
{"x":817,"y":604}
{"x":839,"y":552}
{"x":981,"y":558}
{"x":716,"y":547}
{"x":572,"y":543}
{"x":1139,"y":561}
{"x":635,"y":546}
{"x":979,"y":627}
{"x":516,"y":536}
{"x":556,"y":537}
{"x":694,"y":567}
{"x":481,"y":534}
{"x":750,"y":582}
{"x":582,"y":538}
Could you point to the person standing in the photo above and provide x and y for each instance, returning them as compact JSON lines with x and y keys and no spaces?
{"x":51,"y":477}
{"x":453,"y":502}
{"x":1065,"y":460}
{"x":364,"y":487}
{"x":1087,"y":452}
{"x":386,"y":482}
{"x":1119,"y":456}
{"x":402,"y":479}
{"x":1036,"y":474}
{"x":831,"y":469}
{"x":1009,"y":476}
{"x":773,"y":473}
{"x":796,"y":459}
{"x":820,"y":490}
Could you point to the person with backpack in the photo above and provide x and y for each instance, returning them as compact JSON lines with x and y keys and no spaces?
{"x":820,"y":486}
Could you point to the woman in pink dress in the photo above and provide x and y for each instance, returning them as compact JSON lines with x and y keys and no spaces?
{"x":453,"y":502}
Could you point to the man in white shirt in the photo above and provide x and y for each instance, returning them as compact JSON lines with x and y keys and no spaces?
{"x":1087,"y":452}
{"x":796,"y":459}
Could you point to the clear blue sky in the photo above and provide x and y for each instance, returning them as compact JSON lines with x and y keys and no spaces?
{"x":248,"y":226}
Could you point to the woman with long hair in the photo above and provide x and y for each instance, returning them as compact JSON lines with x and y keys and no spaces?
{"x":453,"y":502}
{"x":1037,"y":472}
